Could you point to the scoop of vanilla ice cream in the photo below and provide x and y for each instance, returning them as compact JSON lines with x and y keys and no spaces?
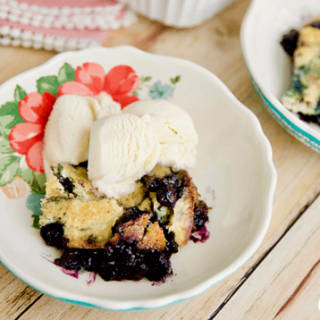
{"x":67,"y":132}
{"x":104,"y":106}
{"x":175,"y":131}
{"x":123,"y":148}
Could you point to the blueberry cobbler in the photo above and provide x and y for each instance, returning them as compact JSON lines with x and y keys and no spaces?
{"x":303,"y":96}
{"x":119,"y":201}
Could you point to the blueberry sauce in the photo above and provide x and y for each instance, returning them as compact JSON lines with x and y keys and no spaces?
{"x":123,"y":261}
{"x":309,"y":118}
{"x":201,"y":235}
{"x":121,"y":258}
{"x":289,"y":42}
{"x":76,"y":259}
{"x":200,"y":218}
{"x":171,"y":245}
{"x":83,"y":164}
{"x":168,"y":190}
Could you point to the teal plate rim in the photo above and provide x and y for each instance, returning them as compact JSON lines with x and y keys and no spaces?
{"x":291,"y":127}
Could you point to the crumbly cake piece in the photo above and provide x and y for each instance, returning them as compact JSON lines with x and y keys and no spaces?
{"x":303,"y":96}
{"x":135,"y":198}
{"x":72,"y":200}
{"x":179,"y":218}
{"x":67,"y":181}
{"x":86,"y":224}
{"x":181,"y":221}
{"x":136,"y":225}
{"x":147,"y":225}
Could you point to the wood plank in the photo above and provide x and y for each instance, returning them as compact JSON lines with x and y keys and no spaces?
{"x":141,"y":35}
{"x":306,"y":296}
{"x":16,"y":60}
{"x":15,"y":296}
{"x":287,"y":284}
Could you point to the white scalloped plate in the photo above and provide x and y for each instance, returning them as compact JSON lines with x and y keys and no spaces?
{"x":235,"y":175}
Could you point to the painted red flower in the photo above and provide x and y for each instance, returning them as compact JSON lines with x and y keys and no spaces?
{"x":91,"y":79}
{"x":26,"y":138}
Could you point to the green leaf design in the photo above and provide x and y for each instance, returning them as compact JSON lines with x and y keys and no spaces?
{"x":5,"y":125}
{"x":175,"y":80}
{"x":160,"y":91}
{"x":19,"y":93}
{"x":34,"y":205}
{"x":36,"y":221}
{"x":66,"y":73}
{"x":39,"y":184}
{"x":26,"y":175}
{"x":48,"y":84}
{"x":9,"y":166}
{"x":9,"y":117}
{"x":36,"y":180}
{"x":5,"y":147}
{"x":146,"y":79}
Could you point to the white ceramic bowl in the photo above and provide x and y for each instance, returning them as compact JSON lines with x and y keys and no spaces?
{"x":235,"y":175}
{"x":269,"y":66}
{"x":178,"y":13}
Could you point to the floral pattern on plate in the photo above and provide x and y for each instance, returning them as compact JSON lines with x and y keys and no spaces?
{"x":23,"y":120}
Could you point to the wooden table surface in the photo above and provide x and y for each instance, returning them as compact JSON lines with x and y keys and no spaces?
{"x":282,"y":279}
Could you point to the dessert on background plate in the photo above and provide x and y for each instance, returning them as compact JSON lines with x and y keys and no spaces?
{"x":119,"y":201}
{"x":303,"y":96}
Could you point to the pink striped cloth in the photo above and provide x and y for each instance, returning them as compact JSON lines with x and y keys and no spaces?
{"x":60,"y":24}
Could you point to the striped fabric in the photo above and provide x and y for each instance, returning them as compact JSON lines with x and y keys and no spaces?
{"x":60,"y":24}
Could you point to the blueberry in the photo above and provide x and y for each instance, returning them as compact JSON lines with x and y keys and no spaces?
{"x":170,"y":190}
{"x":83,"y":164}
{"x":172,"y":246}
{"x":171,"y":181}
{"x":52,"y":234}
{"x":154,"y":185}
{"x":66,"y":183}
{"x":289,"y":42}
{"x":167,"y":198}
{"x":315,"y":24}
